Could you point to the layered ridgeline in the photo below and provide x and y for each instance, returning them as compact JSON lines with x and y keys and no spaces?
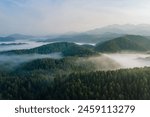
{"x":6,"y":39}
{"x":125,"y":43}
{"x":66,"y":48}
{"x":85,"y":38}
{"x":78,"y":76}
{"x":14,"y":37}
{"x":103,"y":34}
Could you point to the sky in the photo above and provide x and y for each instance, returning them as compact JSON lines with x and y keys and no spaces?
{"x":44,"y":17}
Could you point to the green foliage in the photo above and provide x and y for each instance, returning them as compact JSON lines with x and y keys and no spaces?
{"x":53,"y":65}
{"x":120,"y":84}
{"x":76,"y":51}
{"x":125,"y":43}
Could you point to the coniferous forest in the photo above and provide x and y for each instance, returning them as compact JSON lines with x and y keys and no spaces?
{"x":120,"y":84}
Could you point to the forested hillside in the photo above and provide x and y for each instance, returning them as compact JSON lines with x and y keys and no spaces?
{"x":120,"y":84}
{"x":125,"y":43}
{"x":67,"y":49}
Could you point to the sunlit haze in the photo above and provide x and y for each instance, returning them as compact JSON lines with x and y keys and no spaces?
{"x":42,"y":17}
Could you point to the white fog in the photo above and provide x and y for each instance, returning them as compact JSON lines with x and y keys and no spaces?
{"x":27,"y":45}
{"x":103,"y":62}
{"x":11,"y":61}
{"x":130,"y":60}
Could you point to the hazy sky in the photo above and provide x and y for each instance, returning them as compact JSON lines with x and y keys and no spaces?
{"x":40,"y":17}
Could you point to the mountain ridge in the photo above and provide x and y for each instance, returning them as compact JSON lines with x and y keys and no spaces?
{"x":125,"y":43}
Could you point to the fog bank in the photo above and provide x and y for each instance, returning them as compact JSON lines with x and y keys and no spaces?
{"x":117,"y":61}
{"x":130,"y":60}
{"x":27,"y":45}
{"x":98,"y":63}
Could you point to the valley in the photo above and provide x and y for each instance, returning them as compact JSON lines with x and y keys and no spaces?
{"x":31,"y":69}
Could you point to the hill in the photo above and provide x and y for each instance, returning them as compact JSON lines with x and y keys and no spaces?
{"x":67,"y":49}
{"x":125,"y":43}
{"x":5,"y":39}
{"x":21,"y":36}
{"x":14,"y":37}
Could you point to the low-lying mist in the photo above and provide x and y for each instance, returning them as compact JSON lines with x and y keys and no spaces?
{"x":99,"y":63}
{"x":27,"y":45}
{"x":10,"y":61}
{"x":130,"y":60}
{"x":93,"y":63}
{"x":117,"y":61}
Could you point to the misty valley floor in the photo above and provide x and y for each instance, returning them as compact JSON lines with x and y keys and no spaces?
{"x":130,"y":60}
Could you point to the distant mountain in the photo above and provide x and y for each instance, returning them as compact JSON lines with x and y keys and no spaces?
{"x":10,"y":44}
{"x":85,"y":38}
{"x":125,"y":43}
{"x":21,"y":36}
{"x":141,"y":29}
{"x":103,"y":34}
{"x":67,"y":49}
{"x":5,"y":39}
{"x":14,"y":37}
